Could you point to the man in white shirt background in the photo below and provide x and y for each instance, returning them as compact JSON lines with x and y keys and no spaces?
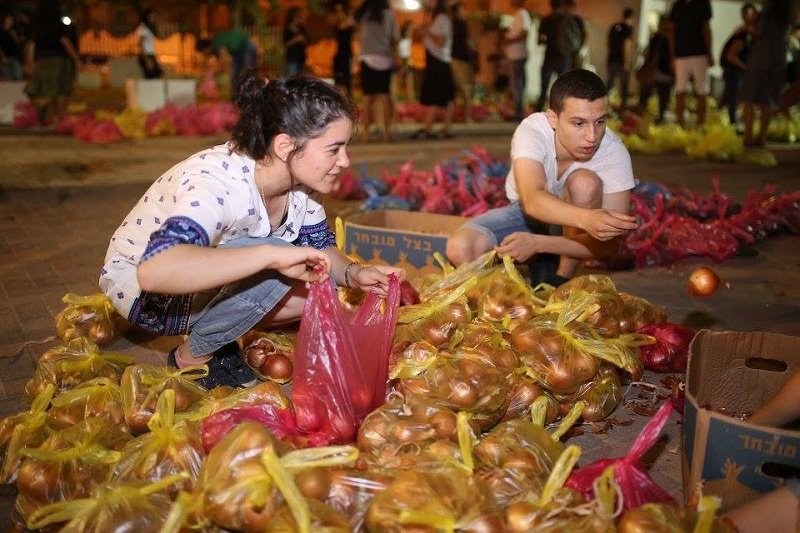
{"x":569,"y":188}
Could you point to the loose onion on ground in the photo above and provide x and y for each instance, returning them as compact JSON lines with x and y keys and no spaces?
{"x":702,"y":282}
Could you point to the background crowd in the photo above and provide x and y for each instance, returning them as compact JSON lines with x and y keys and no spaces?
{"x":372,"y":59}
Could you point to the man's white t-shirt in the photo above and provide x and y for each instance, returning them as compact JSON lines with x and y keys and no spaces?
{"x":535,"y":139}
{"x":522,"y":24}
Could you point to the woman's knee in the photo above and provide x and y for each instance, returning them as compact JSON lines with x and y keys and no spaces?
{"x":584,"y":188}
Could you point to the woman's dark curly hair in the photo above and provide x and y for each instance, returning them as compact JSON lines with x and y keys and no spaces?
{"x":300,"y":106}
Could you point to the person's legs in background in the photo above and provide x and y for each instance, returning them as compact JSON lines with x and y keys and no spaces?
{"x":681,"y":83}
{"x":518,"y":87}
{"x":663,"y":90}
{"x":548,"y":69}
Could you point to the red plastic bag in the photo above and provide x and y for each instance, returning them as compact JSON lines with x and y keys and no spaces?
{"x":279,"y":421}
{"x":670,"y":352}
{"x":341,"y":361}
{"x":638,"y":488}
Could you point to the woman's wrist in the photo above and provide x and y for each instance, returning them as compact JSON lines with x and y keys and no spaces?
{"x":349,"y":270}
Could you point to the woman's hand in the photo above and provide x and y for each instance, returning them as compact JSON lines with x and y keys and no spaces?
{"x":374,"y":278}
{"x":304,"y":263}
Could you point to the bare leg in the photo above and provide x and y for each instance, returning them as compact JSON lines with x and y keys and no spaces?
{"x":763,"y":122}
{"x":680,"y":107}
{"x":747,"y":117}
{"x":369,"y":113}
{"x":583,"y":189}
{"x":701,"y":109}
{"x":388,"y":116}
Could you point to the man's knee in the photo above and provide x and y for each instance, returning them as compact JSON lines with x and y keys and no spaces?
{"x":584,"y":188}
{"x":465,"y":245}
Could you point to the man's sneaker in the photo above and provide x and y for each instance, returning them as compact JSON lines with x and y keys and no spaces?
{"x":225,"y":368}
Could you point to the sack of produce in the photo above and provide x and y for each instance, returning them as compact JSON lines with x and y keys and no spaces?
{"x":23,"y":430}
{"x":135,"y":506}
{"x":96,"y":398}
{"x":142,"y":384}
{"x":68,"y":464}
{"x":171,"y":447}
{"x":72,"y":363}
{"x":92,"y":316}
{"x":342,"y":361}
{"x":444,"y":500}
{"x":630,"y":474}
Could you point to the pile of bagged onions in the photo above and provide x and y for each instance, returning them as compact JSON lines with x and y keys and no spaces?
{"x":487,"y":375}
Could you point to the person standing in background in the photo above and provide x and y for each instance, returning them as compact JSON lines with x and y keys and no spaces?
{"x":516,"y":41}
{"x":379,"y":36}
{"x":465,"y":55}
{"x":51,"y":59}
{"x":344,"y":25}
{"x":690,"y":38}
{"x":620,"y":53}
{"x":765,"y":73}
{"x":10,"y":48}
{"x":656,"y":72}
{"x":733,"y":59}
{"x":555,"y":62}
{"x":437,"y":80}
{"x":146,"y":36}
{"x":295,"y":40}
{"x":236,"y":42}
{"x":405,"y":74}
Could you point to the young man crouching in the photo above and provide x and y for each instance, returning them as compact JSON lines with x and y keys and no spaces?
{"x":569,"y":188}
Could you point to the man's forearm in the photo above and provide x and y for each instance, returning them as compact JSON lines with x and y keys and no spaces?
{"x":547,"y":208}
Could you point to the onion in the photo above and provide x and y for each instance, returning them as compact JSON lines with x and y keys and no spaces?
{"x":444,"y":423}
{"x":702,"y":282}
{"x":313,"y":483}
{"x":277,"y":366}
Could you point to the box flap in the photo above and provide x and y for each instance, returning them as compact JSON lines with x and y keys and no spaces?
{"x":737,"y":370}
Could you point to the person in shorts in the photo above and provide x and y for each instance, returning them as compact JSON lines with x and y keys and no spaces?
{"x":569,"y":188}
{"x":691,"y":43}
{"x":225,"y":241}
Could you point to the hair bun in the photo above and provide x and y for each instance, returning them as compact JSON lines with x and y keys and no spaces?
{"x":248,"y":88}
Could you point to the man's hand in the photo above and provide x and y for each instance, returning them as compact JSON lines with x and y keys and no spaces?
{"x":520,"y":246}
{"x":606,"y":224}
{"x":303,"y":263}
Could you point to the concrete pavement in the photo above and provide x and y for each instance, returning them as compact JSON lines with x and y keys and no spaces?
{"x":61,"y":199}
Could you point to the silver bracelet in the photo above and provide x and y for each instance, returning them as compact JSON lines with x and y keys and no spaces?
{"x":347,"y":273}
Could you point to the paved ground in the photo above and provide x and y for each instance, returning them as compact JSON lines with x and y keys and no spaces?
{"x":61,"y":199}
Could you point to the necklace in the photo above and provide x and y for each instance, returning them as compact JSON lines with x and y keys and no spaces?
{"x":274,"y":223}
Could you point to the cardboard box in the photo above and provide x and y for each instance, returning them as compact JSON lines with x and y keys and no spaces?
{"x":400,"y":238}
{"x":736,"y":372}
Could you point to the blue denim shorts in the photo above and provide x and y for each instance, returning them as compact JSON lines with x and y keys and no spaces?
{"x":500,"y":222}
{"x":221,"y":316}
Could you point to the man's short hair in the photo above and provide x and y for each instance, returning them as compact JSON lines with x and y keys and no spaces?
{"x":576,"y":83}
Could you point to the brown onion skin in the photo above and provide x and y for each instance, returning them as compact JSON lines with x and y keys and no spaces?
{"x":38,"y":480}
{"x":313,"y":483}
{"x":702,"y":282}
{"x":277,"y":366}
